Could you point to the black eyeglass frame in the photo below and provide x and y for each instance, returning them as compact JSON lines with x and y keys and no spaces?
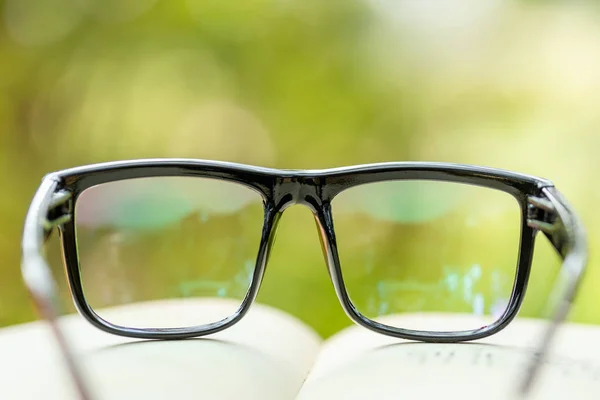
{"x":543,"y":208}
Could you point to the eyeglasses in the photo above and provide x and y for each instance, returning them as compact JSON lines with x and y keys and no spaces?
{"x":400,"y":239}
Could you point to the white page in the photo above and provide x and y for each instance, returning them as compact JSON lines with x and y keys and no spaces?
{"x":267,"y":355}
{"x":359,"y":364}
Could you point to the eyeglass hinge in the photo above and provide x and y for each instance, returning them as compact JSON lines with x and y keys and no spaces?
{"x":59,"y":210}
{"x":542,"y":215}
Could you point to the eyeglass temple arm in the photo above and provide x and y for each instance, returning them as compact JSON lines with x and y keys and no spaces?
{"x":553,"y":215}
{"x":43,"y":216}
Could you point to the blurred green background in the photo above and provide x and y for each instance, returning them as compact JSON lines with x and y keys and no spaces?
{"x":300,"y":84}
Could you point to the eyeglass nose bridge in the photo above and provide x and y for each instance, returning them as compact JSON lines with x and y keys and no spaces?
{"x":298,"y":189}
{"x":308,"y":191}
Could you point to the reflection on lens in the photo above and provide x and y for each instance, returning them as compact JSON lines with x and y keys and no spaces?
{"x":167,"y":252}
{"x":410,"y":248}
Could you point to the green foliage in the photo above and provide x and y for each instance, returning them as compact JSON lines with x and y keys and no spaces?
{"x":296,"y":84}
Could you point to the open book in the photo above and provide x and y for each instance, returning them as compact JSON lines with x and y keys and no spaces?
{"x":272,"y":355}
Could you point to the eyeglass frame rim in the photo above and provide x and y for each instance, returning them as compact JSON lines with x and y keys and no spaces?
{"x":276,"y":186}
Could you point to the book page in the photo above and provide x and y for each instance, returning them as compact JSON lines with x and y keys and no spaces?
{"x":357,"y":364}
{"x":267,"y":355}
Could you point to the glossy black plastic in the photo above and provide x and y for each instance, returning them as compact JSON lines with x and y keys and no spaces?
{"x":543,"y":208}
{"x":315,"y":189}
